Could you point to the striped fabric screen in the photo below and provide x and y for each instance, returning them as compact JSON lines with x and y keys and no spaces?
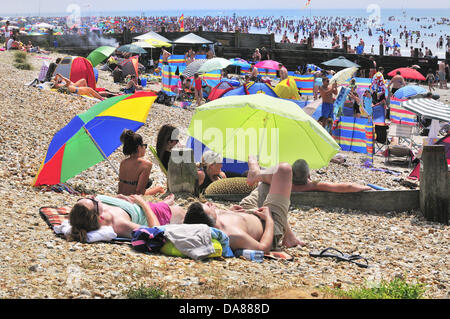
{"x":170,"y":79}
{"x":350,"y":134}
{"x":305,"y":83}
{"x":400,"y":115}
{"x":263,"y":72}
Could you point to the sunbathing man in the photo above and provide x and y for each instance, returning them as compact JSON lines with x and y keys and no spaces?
{"x":326,"y":92}
{"x":253,"y":226}
{"x":301,"y":182}
{"x":80,"y":87}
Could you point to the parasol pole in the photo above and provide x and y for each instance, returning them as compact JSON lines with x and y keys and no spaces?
{"x":262,"y":137}
{"x":100,"y":150}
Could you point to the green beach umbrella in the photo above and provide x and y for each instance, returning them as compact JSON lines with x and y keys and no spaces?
{"x":273,"y":129}
{"x":132,"y":48}
{"x":214,"y":64}
{"x":100,"y":54}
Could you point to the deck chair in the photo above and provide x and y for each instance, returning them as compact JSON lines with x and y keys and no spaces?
{"x":153,"y":150}
{"x":380,"y":140}
{"x":404,"y":147}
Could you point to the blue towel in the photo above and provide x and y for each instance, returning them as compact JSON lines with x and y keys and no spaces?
{"x":148,"y":239}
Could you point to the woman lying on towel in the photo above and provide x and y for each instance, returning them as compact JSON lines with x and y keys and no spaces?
{"x":134,"y":172}
{"x":80,"y":87}
{"x":123,"y":213}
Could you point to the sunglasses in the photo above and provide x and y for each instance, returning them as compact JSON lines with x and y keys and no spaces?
{"x":95,"y":203}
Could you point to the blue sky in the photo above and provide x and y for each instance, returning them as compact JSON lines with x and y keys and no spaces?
{"x":17,"y":7}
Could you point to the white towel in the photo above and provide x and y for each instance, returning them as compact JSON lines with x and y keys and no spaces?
{"x":104,"y":233}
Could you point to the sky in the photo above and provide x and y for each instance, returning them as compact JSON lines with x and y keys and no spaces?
{"x":33,"y":7}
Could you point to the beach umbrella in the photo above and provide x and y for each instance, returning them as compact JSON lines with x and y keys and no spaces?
{"x":156,"y":43}
{"x":92,"y":136}
{"x":408,"y":73}
{"x":343,"y":76}
{"x":240,"y":62}
{"x":100,"y":54}
{"x":43,"y":26}
{"x":144,"y":44}
{"x":132,"y":48}
{"x":214,"y":64}
{"x":429,"y":108}
{"x":152,"y":35}
{"x":193,"y":67}
{"x":268,"y":64}
{"x":271,"y":128}
{"x":341,"y":62}
{"x":408,"y":91}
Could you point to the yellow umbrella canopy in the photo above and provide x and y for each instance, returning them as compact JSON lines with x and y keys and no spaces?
{"x":157,"y":43}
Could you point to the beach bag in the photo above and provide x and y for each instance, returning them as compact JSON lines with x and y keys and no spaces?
{"x":169,"y":249}
{"x":117,"y":75}
{"x":43,"y":72}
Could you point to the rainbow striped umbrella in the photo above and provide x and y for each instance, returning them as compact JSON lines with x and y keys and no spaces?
{"x":92,"y":136}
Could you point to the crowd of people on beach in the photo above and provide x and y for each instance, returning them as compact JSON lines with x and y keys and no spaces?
{"x":260,"y":220}
{"x":334,"y":30}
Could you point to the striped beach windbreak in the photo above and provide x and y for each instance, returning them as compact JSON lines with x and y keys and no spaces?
{"x":429,"y":108}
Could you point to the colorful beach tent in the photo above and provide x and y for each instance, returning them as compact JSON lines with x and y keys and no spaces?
{"x":130,"y":66}
{"x":287,"y":89}
{"x":252,"y":88}
{"x":92,"y":136}
{"x":76,"y":68}
{"x":219,"y":90}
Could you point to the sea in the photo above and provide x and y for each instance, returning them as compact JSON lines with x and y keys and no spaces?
{"x":432,"y":23}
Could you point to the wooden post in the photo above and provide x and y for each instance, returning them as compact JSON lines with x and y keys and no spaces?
{"x":182,"y":173}
{"x":433,"y":184}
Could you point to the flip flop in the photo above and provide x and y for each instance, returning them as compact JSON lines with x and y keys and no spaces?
{"x":326,"y":253}
{"x":340,"y":256}
{"x":278,"y":255}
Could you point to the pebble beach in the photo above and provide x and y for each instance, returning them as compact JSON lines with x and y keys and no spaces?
{"x":34,"y":263}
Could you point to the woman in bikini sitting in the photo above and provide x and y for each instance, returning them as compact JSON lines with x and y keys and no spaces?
{"x":80,"y":87}
{"x":134,"y":172}
{"x":124,"y":213}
